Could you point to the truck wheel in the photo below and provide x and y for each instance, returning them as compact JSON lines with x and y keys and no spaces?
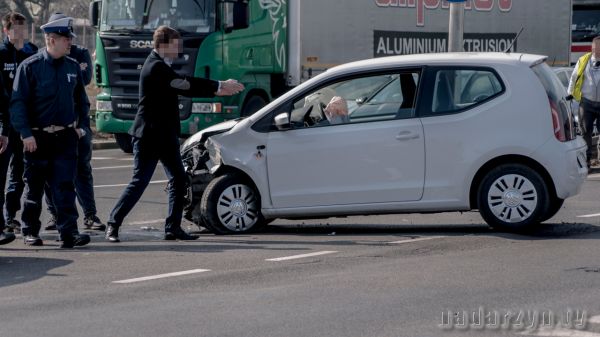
{"x":231,"y":205}
{"x":513,"y":198}
{"x":124,"y":142}
{"x":254,"y":104}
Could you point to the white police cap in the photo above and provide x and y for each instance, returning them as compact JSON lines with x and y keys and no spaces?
{"x":59,"y":24}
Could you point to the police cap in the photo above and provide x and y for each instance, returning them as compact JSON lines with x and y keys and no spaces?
{"x":59,"y":24}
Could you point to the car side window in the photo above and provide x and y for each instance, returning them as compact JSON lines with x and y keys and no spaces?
{"x":358,"y":99}
{"x":458,"y":89}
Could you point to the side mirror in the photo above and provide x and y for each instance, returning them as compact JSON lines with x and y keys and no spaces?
{"x":94,"y":13}
{"x":282,"y":121}
{"x":236,"y":15}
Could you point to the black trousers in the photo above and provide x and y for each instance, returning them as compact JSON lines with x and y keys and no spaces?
{"x":147,"y":152}
{"x":53,"y":163}
{"x":589,"y":115}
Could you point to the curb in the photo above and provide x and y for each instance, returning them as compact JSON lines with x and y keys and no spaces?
{"x":108,"y":144}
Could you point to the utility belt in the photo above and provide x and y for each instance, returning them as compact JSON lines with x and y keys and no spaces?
{"x":55,"y":128}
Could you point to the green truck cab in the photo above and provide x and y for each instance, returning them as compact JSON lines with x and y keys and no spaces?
{"x":222,"y":39}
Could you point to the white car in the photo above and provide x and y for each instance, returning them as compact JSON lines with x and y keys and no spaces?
{"x":425,"y":133}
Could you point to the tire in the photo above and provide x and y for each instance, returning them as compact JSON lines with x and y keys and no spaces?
{"x":124,"y":142}
{"x":254,"y":104}
{"x":553,"y":208}
{"x":231,"y":205}
{"x":513,"y":198}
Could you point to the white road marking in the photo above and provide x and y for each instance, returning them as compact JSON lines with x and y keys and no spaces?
{"x":560,"y":332}
{"x":111,"y":167}
{"x":147,"y":222}
{"x":589,"y":215}
{"x":293,"y":257}
{"x":155,"y":277}
{"x":112,"y":158}
{"x":121,"y":185}
{"x":417,"y":239}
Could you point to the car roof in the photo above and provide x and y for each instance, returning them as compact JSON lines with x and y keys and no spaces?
{"x":443,"y":59}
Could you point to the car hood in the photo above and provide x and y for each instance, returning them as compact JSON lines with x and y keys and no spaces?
{"x":202,"y":135}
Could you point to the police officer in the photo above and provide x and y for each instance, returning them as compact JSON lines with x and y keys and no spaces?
{"x":13,"y":50}
{"x":156,"y":131}
{"x":4,"y":237}
{"x":49,"y":109}
{"x":84,"y":181}
{"x":584,"y":86}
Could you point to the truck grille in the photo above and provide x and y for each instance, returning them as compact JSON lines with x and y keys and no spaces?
{"x":124,"y":67}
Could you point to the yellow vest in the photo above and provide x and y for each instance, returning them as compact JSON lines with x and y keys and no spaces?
{"x":583,"y":61}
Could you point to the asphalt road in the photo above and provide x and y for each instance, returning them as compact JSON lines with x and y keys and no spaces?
{"x":394,"y":275}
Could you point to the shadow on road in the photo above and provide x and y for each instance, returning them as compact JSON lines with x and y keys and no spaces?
{"x":16,"y":270}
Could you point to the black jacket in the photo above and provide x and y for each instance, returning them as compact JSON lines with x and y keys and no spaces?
{"x":4,"y":119}
{"x":10,"y":58}
{"x":158,"y":113}
{"x":47,"y":92}
{"x":82,"y":55}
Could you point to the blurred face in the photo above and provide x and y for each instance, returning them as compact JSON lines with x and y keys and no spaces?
{"x":596,"y":49}
{"x":172,"y":49}
{"x":17,"y":32}
{"x":59,"y":45}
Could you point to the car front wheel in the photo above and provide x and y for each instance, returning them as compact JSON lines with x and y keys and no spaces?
{"x":231,"y":205}
{"x":513,"y":197}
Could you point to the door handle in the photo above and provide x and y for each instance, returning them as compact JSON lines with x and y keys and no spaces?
{"x":407,"y":135}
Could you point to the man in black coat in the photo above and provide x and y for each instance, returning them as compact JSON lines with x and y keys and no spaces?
{"x":14,"y":49}
{"x":156,"y":131}
{"x":4,"y":125}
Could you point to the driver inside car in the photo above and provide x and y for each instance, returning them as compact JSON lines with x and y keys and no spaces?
{"x":336,"y":111}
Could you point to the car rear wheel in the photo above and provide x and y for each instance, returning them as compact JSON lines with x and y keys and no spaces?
{"x":513,"y":197}
{"x":231,"y":205}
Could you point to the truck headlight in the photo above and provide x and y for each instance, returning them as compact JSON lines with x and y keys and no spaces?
{"x":103,"y":106}
{"x":206,"y":108}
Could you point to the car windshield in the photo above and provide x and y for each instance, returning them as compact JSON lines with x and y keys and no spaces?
{"x":187,"y":16}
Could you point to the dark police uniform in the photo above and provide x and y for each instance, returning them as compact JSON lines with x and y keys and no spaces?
{"x":156,"y":132}
{"x":84,"y":181}
{"x":4,"y":123}
{"x":10,"y":58}
{"x":48,"y":103}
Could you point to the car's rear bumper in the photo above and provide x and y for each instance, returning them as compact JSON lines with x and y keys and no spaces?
{"x":570,"y":171}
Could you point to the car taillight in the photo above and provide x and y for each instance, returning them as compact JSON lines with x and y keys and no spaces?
{"x":559,"y":130}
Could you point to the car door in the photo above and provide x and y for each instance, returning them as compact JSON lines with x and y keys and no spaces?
{"x":376,"y":155}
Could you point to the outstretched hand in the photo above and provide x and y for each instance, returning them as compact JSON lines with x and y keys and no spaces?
{"x":229,"y":88}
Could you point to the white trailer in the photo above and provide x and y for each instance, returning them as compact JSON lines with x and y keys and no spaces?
{"x":322,"y":34}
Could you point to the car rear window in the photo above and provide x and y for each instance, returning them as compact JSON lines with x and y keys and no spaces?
{"x":556,"y":96}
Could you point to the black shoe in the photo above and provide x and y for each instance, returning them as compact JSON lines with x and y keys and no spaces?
{"x":93,"y":223}
{"x":32,"y":240}
{"x":112,"y":234}
{"x":179,"y":235}
{"x":13,"y":225}
{"x":76,"y":240}
{"x":6,"y":238}
{"x":51,"y":224}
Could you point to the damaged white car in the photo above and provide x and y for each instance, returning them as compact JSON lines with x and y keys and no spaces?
{"x":406,"y":134}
